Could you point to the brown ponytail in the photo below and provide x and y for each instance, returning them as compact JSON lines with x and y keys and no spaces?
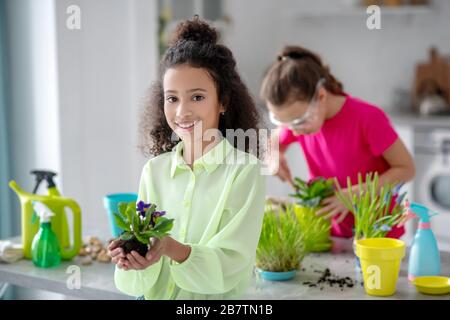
{"x":294,"y":77}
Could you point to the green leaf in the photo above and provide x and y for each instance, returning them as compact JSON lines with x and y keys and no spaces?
{"x":121,"y":223}
{"x":149,"y":234}
{"x":151,"y":209}
{"x":163,"y":225}
{"x":307,"y":194}
{"x":134,"y":221}
{"x":148,"y":218}
{"x":126,"y":236}
{"x":142,"y":239}
{"x":122,"y":206}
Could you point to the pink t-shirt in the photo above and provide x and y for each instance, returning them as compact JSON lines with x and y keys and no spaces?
{"x":352,"y":141}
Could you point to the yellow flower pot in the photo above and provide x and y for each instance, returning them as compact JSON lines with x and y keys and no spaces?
{"x":380,"y":263}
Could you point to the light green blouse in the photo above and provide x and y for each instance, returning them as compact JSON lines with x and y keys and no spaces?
{"x":218,"y":208}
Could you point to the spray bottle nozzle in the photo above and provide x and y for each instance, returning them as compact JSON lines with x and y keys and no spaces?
{"x":43,"y":211}
{"x":41,"y":175}
{"x":422,"y":212}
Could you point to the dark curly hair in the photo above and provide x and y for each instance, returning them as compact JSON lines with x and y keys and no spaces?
{"x":194,"y":43}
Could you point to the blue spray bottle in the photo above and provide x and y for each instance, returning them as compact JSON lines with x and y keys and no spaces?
{"x":424,"y":259}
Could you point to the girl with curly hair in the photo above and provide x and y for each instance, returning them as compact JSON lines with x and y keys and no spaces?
{"x":214,"y":191}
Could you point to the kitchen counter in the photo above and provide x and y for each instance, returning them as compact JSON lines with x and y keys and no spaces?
{"x":97,"y":279}
{"x":420,"y":121}
{"x":342,"y":264}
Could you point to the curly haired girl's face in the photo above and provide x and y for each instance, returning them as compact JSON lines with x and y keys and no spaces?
{"x":190,"y":101}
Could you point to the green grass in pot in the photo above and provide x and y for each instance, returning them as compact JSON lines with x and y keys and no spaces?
{"x":281,"y":243}
{"x":376,"y":208}
{"x":309,"y":196}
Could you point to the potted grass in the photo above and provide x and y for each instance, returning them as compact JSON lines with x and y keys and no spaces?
{"x":281,"y":244}
{"x":376,"y":208}
{"x":309,"y":196}
{"x":140,"y":222}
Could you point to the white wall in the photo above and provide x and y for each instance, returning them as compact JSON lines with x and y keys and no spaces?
{"x":33,"y":112}
{"x":75,"y":99}
{"x":104,"y":69}
{"x":372,"y":64}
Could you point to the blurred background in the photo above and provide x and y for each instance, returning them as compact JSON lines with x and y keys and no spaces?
{"x":74,"y":74}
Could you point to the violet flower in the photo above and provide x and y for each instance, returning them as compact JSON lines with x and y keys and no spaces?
{"x":142,"y":208}
{"x":155,"y":215}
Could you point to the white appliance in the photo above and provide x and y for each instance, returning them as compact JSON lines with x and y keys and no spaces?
{"x":432,"y":182}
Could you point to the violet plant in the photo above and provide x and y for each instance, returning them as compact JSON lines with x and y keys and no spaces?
{"x":140,"y":222}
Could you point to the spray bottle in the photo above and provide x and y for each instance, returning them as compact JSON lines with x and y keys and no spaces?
{"x":45,"y":247}
{"x":424,"y":259}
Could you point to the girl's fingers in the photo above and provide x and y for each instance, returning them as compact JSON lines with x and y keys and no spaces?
{"x":113,"y":245}
{"x":332,"y":213}
{"x":328,"y":200}
{"x":285,"y":176}
{"x":120,"y":263}
{"x":118,"y":252}
{"x":341,"y":217}
{"x":115,"y":260}
{"x":324,"y":210}
{"x":140,"y":259}
{"x":133,"y":262}
{"x":125,"y":265}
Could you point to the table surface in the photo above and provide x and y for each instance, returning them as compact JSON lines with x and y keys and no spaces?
{"x":97,"y":279}
{"x":420,"y":121}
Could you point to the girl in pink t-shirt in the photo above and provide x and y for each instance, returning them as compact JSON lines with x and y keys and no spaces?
{"x":340,"y":135}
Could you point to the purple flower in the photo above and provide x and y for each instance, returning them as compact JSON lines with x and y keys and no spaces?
{"x":142,"y":208}
{"x":155,"y":215}
{"x":158,"y":214}
{"x":385,"y":227}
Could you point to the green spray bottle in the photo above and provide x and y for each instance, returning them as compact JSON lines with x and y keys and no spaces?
{"x":45,"y":248}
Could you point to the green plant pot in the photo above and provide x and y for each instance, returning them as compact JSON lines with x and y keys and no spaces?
{"x":276,"y":276}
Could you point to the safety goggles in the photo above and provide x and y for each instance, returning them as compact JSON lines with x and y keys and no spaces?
{"x":307,"y":117}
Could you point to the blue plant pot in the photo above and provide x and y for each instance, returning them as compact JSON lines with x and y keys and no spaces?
{"x":110,"y":202}
{"x":277,"y":276}
{"x":358,"y":269}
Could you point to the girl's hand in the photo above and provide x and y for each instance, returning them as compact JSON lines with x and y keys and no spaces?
{"x":277,"y":161}
{"x":333,"y":206}
{"x":284,"y":173}
{"x":115,"y":252}
{"x":134,"y":261}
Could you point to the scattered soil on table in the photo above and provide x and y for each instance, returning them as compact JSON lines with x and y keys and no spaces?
{"x":328,"y":279}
